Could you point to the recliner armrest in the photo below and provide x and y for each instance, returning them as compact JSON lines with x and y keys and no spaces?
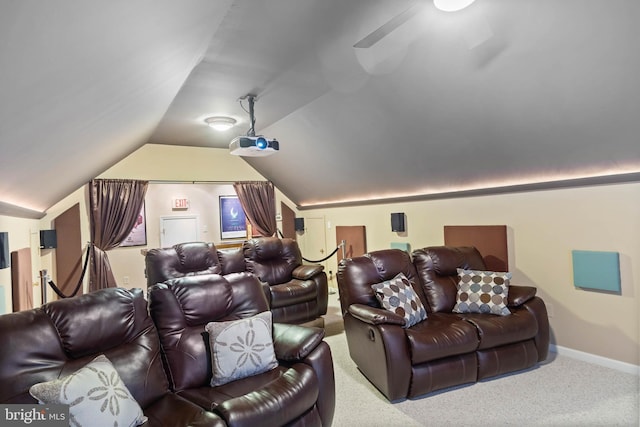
{"x":305,"y":272}
{"x":295,"y":342}
{"x":375,"y":316}
{"x":518,"y":295}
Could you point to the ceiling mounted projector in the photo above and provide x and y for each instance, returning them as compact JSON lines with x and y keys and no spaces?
{"x":251,"y":145}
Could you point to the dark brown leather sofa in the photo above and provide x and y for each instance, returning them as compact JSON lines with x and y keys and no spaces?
{"x":60,"y":337}
{"x":297,"y":293}
{"x":447,"y":348}
{"x":168,"y":374}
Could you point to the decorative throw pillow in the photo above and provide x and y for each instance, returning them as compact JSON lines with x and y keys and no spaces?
{"x":397,"y":295}
{"x":241,"y":348}
{"x":95,"y":394}
{"x":482,"y":292}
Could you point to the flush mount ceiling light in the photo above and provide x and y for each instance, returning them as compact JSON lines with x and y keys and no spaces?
{"x":220,"y":123}
{"x":452,"y":5}
{"x":398,"y":20}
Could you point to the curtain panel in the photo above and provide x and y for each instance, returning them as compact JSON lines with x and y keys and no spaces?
{"x":114,"y":208}
{"x":259,"y":203}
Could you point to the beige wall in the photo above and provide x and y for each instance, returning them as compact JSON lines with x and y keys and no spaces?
{"x":543,"y":227}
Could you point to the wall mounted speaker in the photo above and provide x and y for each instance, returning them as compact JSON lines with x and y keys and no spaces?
{"x":299,"y":224}
{"x":397,"y":222}
{"x":5,"y":256}
{"x":48,"y":239}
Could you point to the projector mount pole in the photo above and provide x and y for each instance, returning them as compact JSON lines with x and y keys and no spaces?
{"x":252,"y":131}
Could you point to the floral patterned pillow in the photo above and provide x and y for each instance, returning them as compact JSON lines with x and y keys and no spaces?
{"x":95,"y":394}
{"x":241,"y":348}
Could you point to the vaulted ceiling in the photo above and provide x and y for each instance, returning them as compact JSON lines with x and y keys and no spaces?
{"x":504,"y":94}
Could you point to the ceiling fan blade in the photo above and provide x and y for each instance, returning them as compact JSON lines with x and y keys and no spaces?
{"x":388,"y":27}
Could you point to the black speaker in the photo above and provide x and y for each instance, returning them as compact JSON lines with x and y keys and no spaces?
{"x":397,"y":222}
{"x":299,"y":224}
{"x":5,"y":256}
{"x":48,"y":239}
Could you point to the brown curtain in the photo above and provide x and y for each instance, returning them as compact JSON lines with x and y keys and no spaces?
{"x":259,"y":203}
{"x":114,"y":208}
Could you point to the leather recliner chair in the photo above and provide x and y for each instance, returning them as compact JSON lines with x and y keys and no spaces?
{"x":447,"y":348}
{"x":297,"y":293}
{"x":300,"y":391}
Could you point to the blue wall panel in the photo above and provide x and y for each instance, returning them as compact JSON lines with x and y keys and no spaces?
{"x":596,"y":270}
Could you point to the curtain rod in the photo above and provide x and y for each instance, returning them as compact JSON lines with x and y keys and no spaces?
{"x":160,"y":181}
{"x":154,"y":181}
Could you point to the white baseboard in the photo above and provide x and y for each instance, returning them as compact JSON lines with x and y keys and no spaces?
{"x":629,"y":368}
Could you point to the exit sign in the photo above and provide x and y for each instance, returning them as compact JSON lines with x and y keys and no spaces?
{"x":182,"y":203}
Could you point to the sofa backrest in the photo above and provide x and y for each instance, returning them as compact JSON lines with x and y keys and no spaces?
{"x":272,"y":259}
{"x":356,"y":275}
{"x":62,"y":336}
{"x":232,"y":260}
{"x":183,"y":259}
{"x":182,"y":307}
{"x":437,"y":269}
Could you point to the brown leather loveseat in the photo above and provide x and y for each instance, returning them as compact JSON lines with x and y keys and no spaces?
{"x":296,"y":292}
{"x":167,"y":367}
{"x":447,"y":348}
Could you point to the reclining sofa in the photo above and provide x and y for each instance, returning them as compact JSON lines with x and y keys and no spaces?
{"x":297,"y":293}
{"x":166,"y":366}
{"x":447,"y":348}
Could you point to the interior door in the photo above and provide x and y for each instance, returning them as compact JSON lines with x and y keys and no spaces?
{"x":313,"y":240}
{"x":69,"y":255}
{"x":178,"y":229}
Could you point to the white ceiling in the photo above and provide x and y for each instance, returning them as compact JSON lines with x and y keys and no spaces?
{"x":504,"y":93}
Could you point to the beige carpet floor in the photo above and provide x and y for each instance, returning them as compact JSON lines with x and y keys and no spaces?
{"x":560,"y":392}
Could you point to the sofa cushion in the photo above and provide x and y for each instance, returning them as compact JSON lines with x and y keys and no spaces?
{"x":482,"y":292}
{"x":437,"y":268}
{"x":173,"y":410}
{"x":278,"y":403}
{"x":197,"y":258}
{"x":272,"y":259}
{"x":240,"y":348}
{"x":495,"y":331}
{"x":95,"y":394}
{"x":273,"y":398}
{"x":397,"y":295}
{"x":441,"y":335}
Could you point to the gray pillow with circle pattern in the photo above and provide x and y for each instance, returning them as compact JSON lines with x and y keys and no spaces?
{"x":482,"y":292}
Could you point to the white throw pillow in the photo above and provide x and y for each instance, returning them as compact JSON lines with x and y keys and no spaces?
{"x":95,"y":394}
{"x":241,"y":348}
